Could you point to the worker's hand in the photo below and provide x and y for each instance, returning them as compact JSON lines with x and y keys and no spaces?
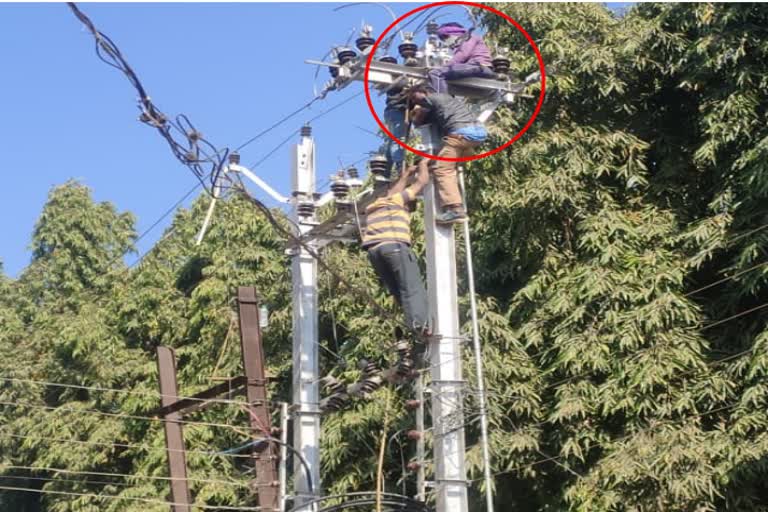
{"x":418,"y":115}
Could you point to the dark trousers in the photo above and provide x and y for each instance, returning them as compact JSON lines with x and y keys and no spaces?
{"x":396,"y":266}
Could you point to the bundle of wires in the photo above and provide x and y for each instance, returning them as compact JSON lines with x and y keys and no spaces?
{"x":364,"y":501}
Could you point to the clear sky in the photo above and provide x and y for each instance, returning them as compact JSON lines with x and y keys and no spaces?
{"x":234,"y":69}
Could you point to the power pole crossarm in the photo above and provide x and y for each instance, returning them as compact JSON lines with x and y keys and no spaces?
{"x":274,"y":194}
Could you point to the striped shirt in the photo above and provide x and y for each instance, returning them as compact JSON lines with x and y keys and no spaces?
{"x":388,"y":219}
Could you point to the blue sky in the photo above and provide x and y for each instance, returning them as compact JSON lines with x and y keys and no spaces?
{"x":234,"y":69}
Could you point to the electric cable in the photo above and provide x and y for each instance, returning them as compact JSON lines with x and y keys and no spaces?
{"x":125,"y":498}
{"x":677,"y":422}
{"x":186,"y":150}
{"x":414,"y":505}
{"x":121,"y":475}
{"x":119,"y":445}
{"x":297,"y":453}
{"x":118,"y":415}
{"x":278,"y":123}
{"x":146,"y":393}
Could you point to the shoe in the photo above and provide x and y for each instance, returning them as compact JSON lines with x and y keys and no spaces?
{"x":451,"y":217}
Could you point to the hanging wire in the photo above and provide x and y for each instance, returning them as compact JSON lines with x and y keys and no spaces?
{"x":121,"y":475}
{"x":116,"y":415}
{"x":190,"y":148}
{"x":125,"y":498}
{"x":679,"y":422}
{"x":49,"y":439}
{"x":153,"y":394}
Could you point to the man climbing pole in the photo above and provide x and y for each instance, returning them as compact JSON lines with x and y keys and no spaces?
{"x":471,"y":57}
{"x":461,"y":134}
{"x":387,"y":238}
{"x":394,"y":118}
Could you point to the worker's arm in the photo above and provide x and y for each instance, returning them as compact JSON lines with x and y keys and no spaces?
{"x":402,"y":181}
{"x":464,"y":51}
{"x":422,"y":178}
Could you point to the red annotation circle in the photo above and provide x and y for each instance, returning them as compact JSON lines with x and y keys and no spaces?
{"x":475,"y":157}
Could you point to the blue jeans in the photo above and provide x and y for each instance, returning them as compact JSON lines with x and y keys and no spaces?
{"x":395,"y":121}
{"x":473,"y":133}
{"x":438,"y":76}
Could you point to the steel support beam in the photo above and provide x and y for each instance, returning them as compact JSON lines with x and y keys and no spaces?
{"x":306,"y":387}
{"x":174,"y":434}
{"x":202,"y":400}
{"x":256,"y":395}
{"x":445,"y":354}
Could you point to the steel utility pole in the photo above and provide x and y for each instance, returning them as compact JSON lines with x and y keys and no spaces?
{"x":445,"y":350}
{"x":306,"y":388}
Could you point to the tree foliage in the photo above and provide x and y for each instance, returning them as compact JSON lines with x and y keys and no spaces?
{"x":619,"y":249}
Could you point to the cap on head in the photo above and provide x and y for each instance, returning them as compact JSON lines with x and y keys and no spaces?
{"x":450,"y":29}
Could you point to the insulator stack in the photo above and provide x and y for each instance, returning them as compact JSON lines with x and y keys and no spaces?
{"x":334,"y":402}
{"x":432,"y":27}
{"x":501,"y":64}
{"x":388,"y":58}
{"x":364,"y":42}
{"x":340,"y":189}
{"x":345,"y":55}
{"x":408,"y":48}
{"x":378,"y":166}
{"x":353,"y":173}
{"x":234,"y":158}
{"x":334,"y":71}
{"x":305,"y":208}
{"x":306,"y":131}
{"x":371,"y":384}
{"x":368,"y":367}
{"x":332,"y":385}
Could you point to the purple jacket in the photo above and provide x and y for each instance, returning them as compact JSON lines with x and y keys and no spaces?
{"x":472,"y":51}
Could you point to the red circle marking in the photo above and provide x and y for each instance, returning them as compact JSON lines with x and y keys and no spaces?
{"x":475,"y":157}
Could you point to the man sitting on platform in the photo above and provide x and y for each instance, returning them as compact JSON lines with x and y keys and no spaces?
{"x":471,"y":57}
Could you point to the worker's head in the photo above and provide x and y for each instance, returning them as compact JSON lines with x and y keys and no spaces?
{"x":381,"y":183}
{"x":417,"y":95}
{"x":450,"y":32}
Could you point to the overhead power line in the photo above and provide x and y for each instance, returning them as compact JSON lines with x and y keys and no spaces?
{"x":681,"y":421}
{"x":133,"y":446}
{"x":117,"y":415}
{"x":191,"y":149}
{"x":120,"y":475}
{"x":124,"y":498}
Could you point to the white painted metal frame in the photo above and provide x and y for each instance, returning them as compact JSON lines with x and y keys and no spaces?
{"x":445,"y":353}
{"x":306,"y":388}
